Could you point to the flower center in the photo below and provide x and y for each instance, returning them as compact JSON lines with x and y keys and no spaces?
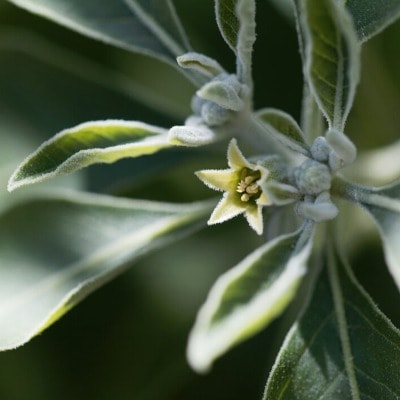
{"x":247,"y":185}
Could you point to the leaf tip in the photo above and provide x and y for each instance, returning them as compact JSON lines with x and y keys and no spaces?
{"x":197,"y":357}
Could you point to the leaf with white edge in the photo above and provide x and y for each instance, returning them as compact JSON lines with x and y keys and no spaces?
{"x":383,"y":204}
{"x":340,"y":347}
{"x":371,"y":16}
{"x":284,"y":128}
{"x":249,"y":296}
{"x":191,"y":135}
{"x":143,"y":26}
{"x":201,"y":63}
{"x":86,"y":144}
{"x":222,"y":94}
{"x":332,"y":51}
{"x":55,"y":250}
{"x":236,"y":22}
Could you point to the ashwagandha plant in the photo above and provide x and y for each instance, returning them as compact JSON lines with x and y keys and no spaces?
{"x":341,"y":346}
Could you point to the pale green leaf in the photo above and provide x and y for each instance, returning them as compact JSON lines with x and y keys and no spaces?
{"x":284,"y":128}
{"x":368,"y":165}
{"x":383,"y":203}
{"x":246,"y":298}
{"x":55,"y":250}
{"x":199,"y":62}
{"x":372,"y":16}
{"x":332,"y":57}
{"x":147,"y":27}
{"x":222,"y":94}
{"x":87,"y":144}
{"x":236,"y":22}
{"x":340,"y":348}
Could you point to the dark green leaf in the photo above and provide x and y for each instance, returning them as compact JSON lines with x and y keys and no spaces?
{"x":284,"y":128}
{"x":340,"y":347}
{"x":332,"y":57}
{"x":236,"y":22}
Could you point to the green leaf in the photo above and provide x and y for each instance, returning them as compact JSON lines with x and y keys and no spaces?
{"x":332,"y":57}
{"x":87,"y":144}
{"x":228,"y":22}
{"x":284,"y":128}
{"x":340,"y":347}
{"x":236,"y":22}
{"x":371,"y":16}
{"x":55,"y":250}
{"x":383,"y":204}
{"x":161,"y":18}
{"x":147,"y":27}
{"x":249,"y":296}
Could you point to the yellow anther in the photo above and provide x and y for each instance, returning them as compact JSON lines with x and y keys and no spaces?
{"x":247,"y":185}
{"x":249,"y":179}
{"x":241,"y":187}
{"x":245,"y":197}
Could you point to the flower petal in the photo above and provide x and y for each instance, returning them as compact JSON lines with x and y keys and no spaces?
{"x":226,"y":209}
{"x":236,"y":159}
{"x":219,"y":179}
{"x":254,"y":217}
{"x":264,"y":200}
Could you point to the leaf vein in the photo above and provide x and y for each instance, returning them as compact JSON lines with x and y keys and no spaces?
{"x":377,"y":382}
{"x":367,"y":320}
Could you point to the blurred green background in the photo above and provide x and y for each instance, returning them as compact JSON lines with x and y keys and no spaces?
{"x":127,"y":341}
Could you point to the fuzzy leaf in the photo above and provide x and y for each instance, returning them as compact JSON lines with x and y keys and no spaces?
{"x":222,"y":94}
{"x":201,"y":63}
{"x":87,"y":144}
{"x":339,"y":349}
{"x":236,"y":22}
{"x":332,"y":51}
{"x":383,"y":204}
{"x":56,"y":250}
{"x":371,"y":16}
{"x":191,"y":135}
{"x":145,"y":26}
{"x":284,"y":128}
{"x":246,"y":298}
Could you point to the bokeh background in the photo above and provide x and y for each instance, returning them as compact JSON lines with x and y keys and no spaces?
{"x":127,"y":340}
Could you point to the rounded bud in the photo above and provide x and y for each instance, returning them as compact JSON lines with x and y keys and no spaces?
{"x":320,"y":149}
{"x":312,"y":177}
{"x":213,"y":114}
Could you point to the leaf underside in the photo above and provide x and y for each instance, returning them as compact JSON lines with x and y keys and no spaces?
{"x":55,"y":250}
{"x":383,"y":205}
{"x":340,"y":347}
{"x":371,"y":16}
{"x":147,"y":27}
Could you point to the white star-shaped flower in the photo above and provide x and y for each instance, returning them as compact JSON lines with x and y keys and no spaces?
{"x":242,"y":187}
